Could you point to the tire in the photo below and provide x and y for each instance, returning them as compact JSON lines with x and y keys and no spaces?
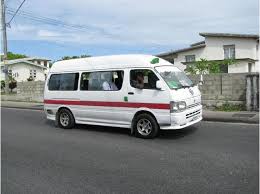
{"x":145,"y":126}
{"x":65,"y":119}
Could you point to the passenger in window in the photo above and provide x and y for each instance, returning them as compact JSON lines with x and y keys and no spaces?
{"x":108,"y":84}
{"x":139,"y":80}
{"x":152,"y":79}
{"x":119,"y":80}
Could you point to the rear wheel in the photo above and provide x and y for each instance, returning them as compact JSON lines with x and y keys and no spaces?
{"x":65,"y":119}
{"x":145,"y":126}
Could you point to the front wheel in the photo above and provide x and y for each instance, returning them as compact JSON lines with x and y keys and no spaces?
{"x":65,"y":119}
{"x":145,"y":126}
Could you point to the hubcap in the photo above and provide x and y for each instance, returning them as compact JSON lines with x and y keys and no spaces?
{"x":144,"y":127}
{"x":64,"y":119}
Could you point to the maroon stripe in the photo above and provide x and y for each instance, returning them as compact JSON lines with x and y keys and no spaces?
{"x":109,"y":104}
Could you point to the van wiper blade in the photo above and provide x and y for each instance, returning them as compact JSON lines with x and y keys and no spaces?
{"x":186,"y":86}
{"x":183,"y":87}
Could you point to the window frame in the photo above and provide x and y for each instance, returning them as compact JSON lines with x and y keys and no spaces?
{"x":186,"y":56}
{"x":229,"y":47}
{"x":61,"y":74}
{"x":113,"y":70}
{"x":10,"y":72}
{"x":250,"y":67}
{"x":34,"y":73}
{"x":151,"y":69}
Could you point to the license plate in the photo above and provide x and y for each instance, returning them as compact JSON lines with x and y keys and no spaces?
{"x":195,"y":117}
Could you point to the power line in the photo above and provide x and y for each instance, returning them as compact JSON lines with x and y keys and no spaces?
{"x":8,"y":23}
{"x":55,"y":22}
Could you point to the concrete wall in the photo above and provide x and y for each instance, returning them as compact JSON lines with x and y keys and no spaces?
{"x":219,"y":89}
{"x":27,"y":91}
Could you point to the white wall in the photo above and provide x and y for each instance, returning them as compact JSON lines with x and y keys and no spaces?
{"x":244,"y":48}
{"x":199,"y":53}
{"x":23,"y":71}
{"x":238,"y":67}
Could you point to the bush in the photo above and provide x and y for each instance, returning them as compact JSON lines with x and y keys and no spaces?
{"x":2,"y":84}
{"x":30,"y":79}
{"x":12,"y":83}
{"x":230,"y":107}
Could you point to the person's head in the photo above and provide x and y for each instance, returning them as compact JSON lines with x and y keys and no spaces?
{"x":139,"y":77}
{"x":106,"y":76}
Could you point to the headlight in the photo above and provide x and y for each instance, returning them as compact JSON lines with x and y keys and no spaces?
{"x":178,"y":106}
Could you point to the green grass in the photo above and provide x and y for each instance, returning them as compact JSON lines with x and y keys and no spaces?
{"x":230,"y":108}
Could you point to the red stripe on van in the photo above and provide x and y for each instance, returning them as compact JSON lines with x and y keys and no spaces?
{"x":109,"y":104}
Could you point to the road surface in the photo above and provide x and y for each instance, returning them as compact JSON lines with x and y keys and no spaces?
{"x":209,"y":157}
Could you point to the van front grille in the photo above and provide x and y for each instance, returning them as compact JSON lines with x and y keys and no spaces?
{"x":189,"y":115}
{"x":193,"y":105}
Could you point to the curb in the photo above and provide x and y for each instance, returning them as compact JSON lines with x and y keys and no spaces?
{"x":223,"y":119}
{"x":233,"y":120}
{"x":26,"y":108}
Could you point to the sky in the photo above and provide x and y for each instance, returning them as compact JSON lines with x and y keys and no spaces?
{"x":122,"y":26}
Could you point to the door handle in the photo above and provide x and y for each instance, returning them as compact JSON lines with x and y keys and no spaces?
{"x":131,"y":93}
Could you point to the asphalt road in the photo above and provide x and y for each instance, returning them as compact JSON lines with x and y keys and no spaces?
{"x":206,"y":158}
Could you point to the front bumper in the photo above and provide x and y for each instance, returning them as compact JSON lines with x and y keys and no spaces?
{"x":184,"y":119}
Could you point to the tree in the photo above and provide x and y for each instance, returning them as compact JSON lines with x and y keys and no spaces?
{"x":74,"y":57}
{"x":204,"y":66}
{"x":11,"y":56}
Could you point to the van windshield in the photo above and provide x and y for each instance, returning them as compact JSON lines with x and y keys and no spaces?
{"x":174,"y":77}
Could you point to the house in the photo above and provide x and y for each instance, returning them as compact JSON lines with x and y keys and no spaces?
{"x":21,"y":69}
{"x":217,"y":47}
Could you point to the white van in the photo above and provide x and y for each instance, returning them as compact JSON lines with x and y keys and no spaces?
{"x":141,"y":92}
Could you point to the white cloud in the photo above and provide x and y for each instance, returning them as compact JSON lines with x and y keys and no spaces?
{"x":165,"y":22}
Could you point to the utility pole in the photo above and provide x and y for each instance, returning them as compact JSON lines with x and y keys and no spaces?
{"x":4,"y":45}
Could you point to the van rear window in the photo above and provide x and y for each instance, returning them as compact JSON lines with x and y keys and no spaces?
{"x":64,"y":82}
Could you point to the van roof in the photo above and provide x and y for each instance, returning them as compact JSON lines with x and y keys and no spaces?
{"x":106,"y":62}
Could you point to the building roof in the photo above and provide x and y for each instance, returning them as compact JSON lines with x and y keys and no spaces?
{"x":202,"y":44}
{"x":206,"y":34}
{"x":24,"y":60}
{"x":106,"y":62}
{"x":182,"y":50}
{"x":198,"y":43}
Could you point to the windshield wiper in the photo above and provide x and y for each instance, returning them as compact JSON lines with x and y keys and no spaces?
{"x":185,"y":86}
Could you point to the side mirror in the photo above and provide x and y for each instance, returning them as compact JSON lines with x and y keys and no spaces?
{"x":159,"y":85}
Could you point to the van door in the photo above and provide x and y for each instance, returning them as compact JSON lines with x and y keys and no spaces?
{"x":102,"y":95}
{"x":143,"y":93}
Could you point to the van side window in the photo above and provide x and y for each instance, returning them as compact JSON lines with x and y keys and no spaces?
{"x":143,"y":79}
{"x":64,"y":82}
{"x":102,"y":80}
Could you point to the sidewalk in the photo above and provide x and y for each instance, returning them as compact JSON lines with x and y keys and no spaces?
{"x":238,"y":117}
{"x":22,"y":105}
{"x":235,"y":117}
